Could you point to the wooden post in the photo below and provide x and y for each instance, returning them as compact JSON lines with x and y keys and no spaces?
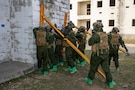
{"x":41,"y":14}
{"x":65,"y":19}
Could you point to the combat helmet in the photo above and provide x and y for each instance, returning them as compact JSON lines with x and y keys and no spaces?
{"x":115,"y":29}
{"x":71,"y":24}
{"x":41,"y":28}
{"x":97,"y":26}
{"x":81,"y":29}
{"x":48,"y":28}
{"x":100,"y":24}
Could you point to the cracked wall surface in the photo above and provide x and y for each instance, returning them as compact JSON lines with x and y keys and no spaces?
{"x":5,"y":38}
{"x":17,"y":20}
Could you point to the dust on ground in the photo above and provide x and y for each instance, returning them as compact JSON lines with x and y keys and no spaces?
{"x":62,"y":80}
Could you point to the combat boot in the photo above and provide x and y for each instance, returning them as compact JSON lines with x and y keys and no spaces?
{"x":54,"y":68}
{"x":111,"y":84}
{"x":45,"y":73}
{"x":82,"y":63}
{"x":48,"y":66}
{"x":77,"y":61}
{"x":73,"y":70}
{"x":68,"y":68}
{"x":117,"y":69}
{"x":39,"y":70}
{"x":61,"y":63}
{"x":88,"y":80}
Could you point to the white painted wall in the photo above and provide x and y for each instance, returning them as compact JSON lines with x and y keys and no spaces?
{"x":74,"y":11}
{"x":17,"y":19}
{"x":55,"y":11}
{"x":123,"y":12}
{"x":127,"y":14}
{"x":21,"y":31}
{"x":78,"y":11}
{"x":5,"y":38}
{"x":123,"y":16}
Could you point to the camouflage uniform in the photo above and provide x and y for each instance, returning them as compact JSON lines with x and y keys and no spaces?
{"x":58,"y":50}
{"x":99,"y":56}
{"x":41,"y":54}
{"x":50,"y":39}
{"x":81,"y":38}
{"x":115,"y":40}
{"x":68,"y":32}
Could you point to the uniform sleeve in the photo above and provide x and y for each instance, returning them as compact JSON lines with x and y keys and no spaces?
{"x":34,"y":32}
{"x":79,"y":36}
{"x":121,"y":41}
{"x":109,"y":38}
{"x":95,"y":38}
{"x":72,"y":37}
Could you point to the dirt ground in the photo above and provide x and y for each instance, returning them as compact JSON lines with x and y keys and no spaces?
{"x":62,"y":80}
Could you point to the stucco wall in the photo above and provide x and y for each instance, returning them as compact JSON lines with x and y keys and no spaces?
{"x":21,"y":31}
{"x":55,"y":10}
{"x":17,"y":19}
{"x":5,"y":38}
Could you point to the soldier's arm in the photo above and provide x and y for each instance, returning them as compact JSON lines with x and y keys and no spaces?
{"x":94,"y":39}
{"x":109,"y":38}
{"x":34,"y":31}
{"x":122,"y":43}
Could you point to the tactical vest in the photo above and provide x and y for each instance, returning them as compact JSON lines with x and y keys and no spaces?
{"x":103,"y":44}
{"x":115,"y":39}
{"x":103,"y":40}
{"x":40,"y":38}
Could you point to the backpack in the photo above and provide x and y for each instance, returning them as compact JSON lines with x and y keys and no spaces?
{"x":40,"y":38}
{"x":103,"y":45}
{"x":115,"y":39}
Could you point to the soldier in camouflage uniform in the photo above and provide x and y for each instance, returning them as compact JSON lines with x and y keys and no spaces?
{"x":68,"y":32}
{"x":81,"y":39}
{"x":115,"y":40}
{"x":58,"y":49}
{"x":41,"y":50}
{"x":50,"y":39}
{"x":99,"y":55}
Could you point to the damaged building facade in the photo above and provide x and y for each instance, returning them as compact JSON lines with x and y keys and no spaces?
{"x":18,"y":18}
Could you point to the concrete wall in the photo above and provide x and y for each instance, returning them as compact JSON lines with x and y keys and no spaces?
{"x":17,"y":19}
{"x":55,"y":10}
{"x":21,"y":31}
{"x":5,"y":38}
